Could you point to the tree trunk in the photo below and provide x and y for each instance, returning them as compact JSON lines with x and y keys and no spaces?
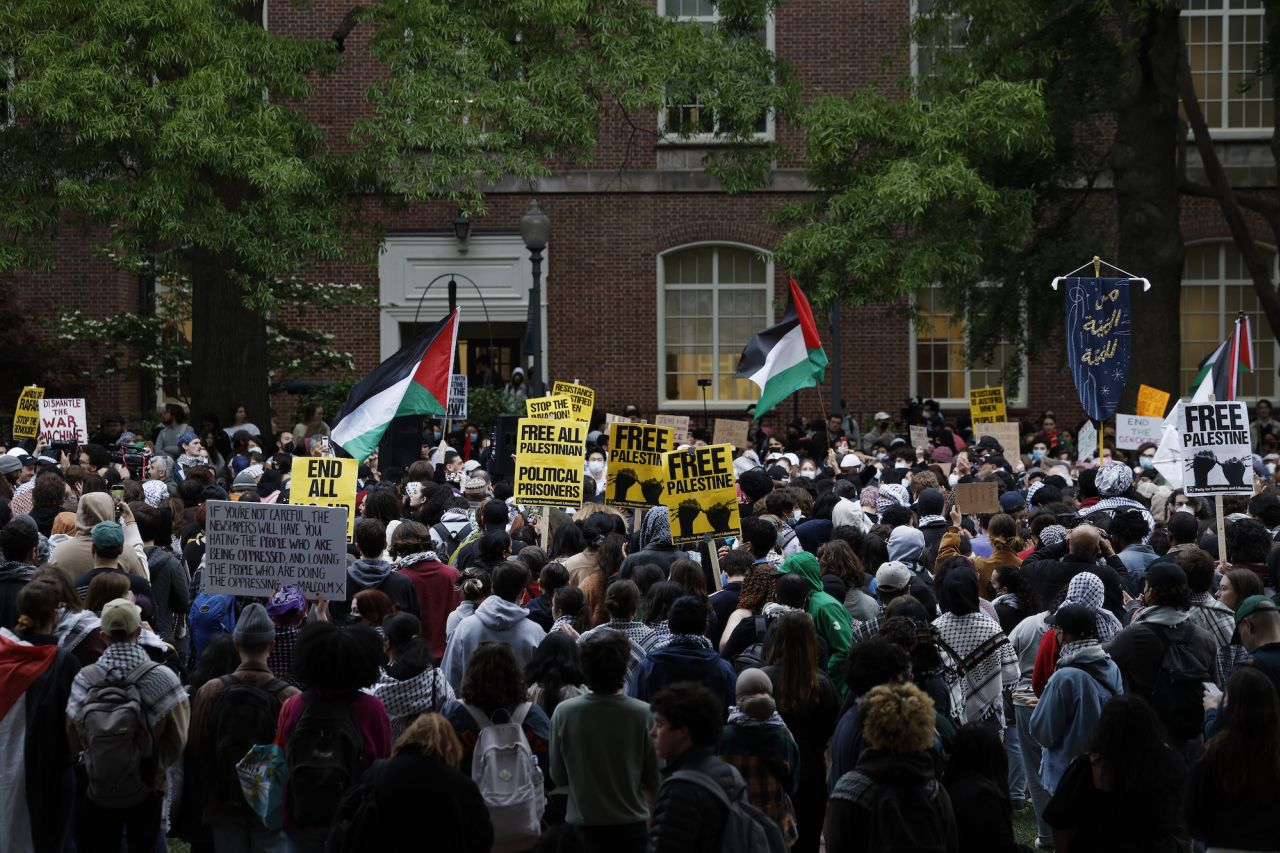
{"x":1144,"y":163}
{"x":228,"y":346}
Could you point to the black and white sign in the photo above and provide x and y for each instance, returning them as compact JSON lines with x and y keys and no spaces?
{"x":1216,"y":454}
{"x":457,"y":397}
{"x":256,"y":548}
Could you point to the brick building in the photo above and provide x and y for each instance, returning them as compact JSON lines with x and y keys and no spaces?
{"x":655,"y":278}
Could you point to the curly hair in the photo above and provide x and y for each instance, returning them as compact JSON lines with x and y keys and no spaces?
{"x":898,"y":718}
{"x":493,"y":678}
{"x":758,"y":587}
{"x":837,"y":558}
{"x":431,"y":734}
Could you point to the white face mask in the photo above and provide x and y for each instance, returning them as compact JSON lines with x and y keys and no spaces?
{"x":795,"y":515}
{"x":901,"y":465}
{"x":595,"y":466}
{"x":808,"y":473}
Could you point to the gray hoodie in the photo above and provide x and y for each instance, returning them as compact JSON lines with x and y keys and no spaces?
{"x":496,"y":620}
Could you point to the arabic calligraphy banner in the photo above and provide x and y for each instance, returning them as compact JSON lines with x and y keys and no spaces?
{"x":1098,"y":342}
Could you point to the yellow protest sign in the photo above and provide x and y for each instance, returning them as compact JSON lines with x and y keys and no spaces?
{"x":700,"y":496}
{"x":986,"y":405}
{"x":636,"y":470}
{"x":1152,"y":402}
{"x":550,"y":408}
{"x":582,"y":398}
{"x":549,"y":456}
{"x":321,"y":481}
{"x":26,"y":416}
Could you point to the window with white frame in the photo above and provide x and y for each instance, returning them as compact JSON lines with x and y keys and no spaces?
{"x":946,"y":36}
{"x":1215,"y":287}
{"x":938,"y":345}
{"x":711,"y":299}
{"x":1225,"y":42}
{"x":693,"y":118}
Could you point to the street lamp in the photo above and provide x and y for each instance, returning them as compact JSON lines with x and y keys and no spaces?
{"x":535,"y":228}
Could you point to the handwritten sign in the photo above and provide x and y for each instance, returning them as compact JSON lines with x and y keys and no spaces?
{"x":1087,"y":442}
{"x":63,"y":420}
{"x":636,"y":472}
{"x":920,"y":436}
{"x":26,"y":415}
{"x":549,"y":457}
{"x":582,"y":398}
{"x":326,"y":482}
{"x":733,"y":433}
{"x":977,"y":498}
{"x":1133,"y":431}
{"x":700,"y":495}
{"x":550,"y":408}
{"x":256,"y":548}
{"x":1152,"y":402}
{"x":679,"y":423}
{"x":457,"y":408}
{"x":986,"y":405}
{"x":1217,"y":458}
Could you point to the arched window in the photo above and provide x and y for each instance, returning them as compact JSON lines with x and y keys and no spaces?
{"x":711,"y":299}
{"x":1215,"y":287}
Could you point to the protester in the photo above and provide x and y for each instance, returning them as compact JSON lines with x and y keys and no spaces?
{"x":687,"y":656}
{"x":829,"y":616}
{"x":474,"y":586}
{"x":434,"y":582}
{"x":75,"y":556}
{"x":373,"y":572}
{"x":498,"y":619}
{"x":758,"y":743}
{"x":410,"y":684}
{"x":621,"y":600}
{"x":977,"y":783}
{"x":1258,"y":626}
{"x":986,"y":662}
{"x":19,"y":540}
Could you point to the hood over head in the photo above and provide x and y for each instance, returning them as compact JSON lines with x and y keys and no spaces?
{"x":805,"y":565}
{"x":93,"y":508}
{"x":906,"y":544}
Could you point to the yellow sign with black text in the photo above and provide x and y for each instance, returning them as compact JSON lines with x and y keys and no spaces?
{"x":701,"y":495}
{"x":26,"y":416}
{"x":582,"y":398}
{"x":549,"y":408}
{"x":549,"y":455}
{"x":326,"y":481}
{"x":636,"y":470}
{"x":986,"y":405}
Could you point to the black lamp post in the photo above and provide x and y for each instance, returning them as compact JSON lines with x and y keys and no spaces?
{"x":535,"y":228}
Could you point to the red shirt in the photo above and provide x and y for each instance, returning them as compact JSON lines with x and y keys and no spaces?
{"x":434,"y":583}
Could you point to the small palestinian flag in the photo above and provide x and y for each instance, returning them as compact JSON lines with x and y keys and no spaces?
{"x":784,"y":358}
{"x":1219,"y":373}
{"x":414,"y":381}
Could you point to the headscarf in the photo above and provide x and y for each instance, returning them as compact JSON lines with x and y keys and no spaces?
{"x":64,"y":523}
{"x":1086,"y":589}
{"x":1113,"y":480}
{"x":892,"y":494}
{"x":656,"y":529}
{"x":155,"y":492}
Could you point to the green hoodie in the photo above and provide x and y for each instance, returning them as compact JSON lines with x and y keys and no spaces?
{"x":829,"y":616}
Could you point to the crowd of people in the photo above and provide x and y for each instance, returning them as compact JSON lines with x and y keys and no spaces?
{"x":862,"y":665}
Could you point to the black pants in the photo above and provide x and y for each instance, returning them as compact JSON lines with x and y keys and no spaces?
{"x":99,"y":830}
{"x":619,"y":838}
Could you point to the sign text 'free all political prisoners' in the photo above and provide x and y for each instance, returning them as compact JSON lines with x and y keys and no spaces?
{"x":1217,"y":458}
{"x":256,"y":548}
{"x":700,"y":496}
{"x":636,"y":472}
{"x":321,"y":481}
{"x":549,"y":462}
{"x":63,"y":420}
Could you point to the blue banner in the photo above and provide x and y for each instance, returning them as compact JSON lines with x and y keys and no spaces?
{"x":1098,"y":342}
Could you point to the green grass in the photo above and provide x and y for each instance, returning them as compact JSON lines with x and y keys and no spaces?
{"x":1024,"y":827}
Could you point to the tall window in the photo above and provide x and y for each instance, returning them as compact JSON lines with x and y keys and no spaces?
{"x":1225,"y":40}
{"x":946,"y":36}
{"x":691,"y":116}
{"x":938,"y":351}
{"x":712,"y":299}
{"x":1215,"y":287}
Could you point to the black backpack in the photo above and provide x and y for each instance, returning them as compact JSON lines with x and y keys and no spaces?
{"x":452,"y":540}
{"x":1177,"y":693}
{"x":359,"y":817}
{"x":752,"y":657}
{"x":323,"y":758}
{"x":244,"y":716}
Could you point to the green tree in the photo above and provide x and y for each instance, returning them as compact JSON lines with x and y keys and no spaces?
{"x":181,"y":131}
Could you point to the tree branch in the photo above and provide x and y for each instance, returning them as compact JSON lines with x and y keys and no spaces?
{"x":1268,"y":209}
{"x":348,"y":24}
{"x":1053,"y":21}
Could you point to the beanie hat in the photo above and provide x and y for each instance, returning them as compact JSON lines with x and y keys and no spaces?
{"x":473,"y":489}
{"x":753,"y":694}
{"x":287,"y":600}
{"x":254,"y":627}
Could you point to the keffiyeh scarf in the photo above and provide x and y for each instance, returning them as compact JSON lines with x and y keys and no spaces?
{"x":161,"y":690}
{"x":407,"y":699}
{"x":979,"y":652}
{"x":1086,"y":588}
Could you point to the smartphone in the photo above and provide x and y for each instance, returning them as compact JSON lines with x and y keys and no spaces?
{"x":117,"y":493}
{"x":1212,"y":688}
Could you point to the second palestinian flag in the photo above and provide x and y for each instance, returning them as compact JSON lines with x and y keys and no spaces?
{"x":786,"y":357}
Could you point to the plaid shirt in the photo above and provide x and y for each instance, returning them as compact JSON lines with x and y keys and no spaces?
{"x":863,"y":631}
{"x":769,"y":761}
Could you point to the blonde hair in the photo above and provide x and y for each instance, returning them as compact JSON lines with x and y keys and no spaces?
{"x":898,"y":718}
{"x":433,"y":735}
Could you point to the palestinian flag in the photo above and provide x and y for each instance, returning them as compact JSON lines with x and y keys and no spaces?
{"x":1220,"y":371}
{"x":784,"y":358}
{"x":414,"y":381}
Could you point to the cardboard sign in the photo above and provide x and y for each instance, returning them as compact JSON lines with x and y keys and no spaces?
{"x":1005,"y":432}
{"x":63,"y":420}
{"x":550,"y":408}
{"x":1087,"y":442}
{"x":26,"y":415}
{"x":1152,"y":402}
{"x":325,"y":482}
{"x":701,"y":497}
{"x":1217,"y":458}
{"x":679,"y":423}
{"x":977,"y":498}
{"x":549,"y":456}
{"x":733,"y":433}
{"x":582,"y":398}
{"x":637,"y":475}
{"x":920,"y":436}
{"x":1133,"y":431}
{"x":610,"y":418}
{"x":986,"y":405}
{"x":256,"y":548}
{"x":457,"y":408}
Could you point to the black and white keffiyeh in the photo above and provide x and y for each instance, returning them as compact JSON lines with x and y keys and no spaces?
{"x":982,"y":660}
{"x":160,"y":688}
{"x":408,"y":699}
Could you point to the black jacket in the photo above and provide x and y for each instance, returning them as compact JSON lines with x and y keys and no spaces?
{"x":984,"y":815}
{"x":890,"y":799}
{"x":687,"y":818}
{"x":1050,"y":568}
{"x":13,"y":577}
{"x":171,"y":588}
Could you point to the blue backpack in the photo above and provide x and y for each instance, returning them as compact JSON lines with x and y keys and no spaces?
{"x":210,"y":616}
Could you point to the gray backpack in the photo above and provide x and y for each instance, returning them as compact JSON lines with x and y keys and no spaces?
{"x":118,"y":743}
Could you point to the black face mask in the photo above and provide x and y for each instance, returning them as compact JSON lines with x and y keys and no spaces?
{"x":288,"y":447}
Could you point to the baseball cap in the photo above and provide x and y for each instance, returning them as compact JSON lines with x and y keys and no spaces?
{"x":1255,"y":604}
{"x":470,"y":465}
{"x":1075,"y":619}
{"x":1012,"y":501}
{"x":851,"y":460}
{"x":1161,"y":573}
{"x":893,"y":575}
{"x":107,"y":534}
{"x":120,"y":614}
{"x":881,"y":416}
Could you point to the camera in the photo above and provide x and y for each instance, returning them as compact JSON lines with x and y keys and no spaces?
{"x":136,"y":458}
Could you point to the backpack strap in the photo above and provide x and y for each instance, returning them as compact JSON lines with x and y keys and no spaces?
{"x":274,"y":686}
{"x":702,"y":780}
{"x":521,"y":711}
{"x":479,"y":716}
{"x":762,"y":627}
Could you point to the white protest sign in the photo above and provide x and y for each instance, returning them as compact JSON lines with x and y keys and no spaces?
{"x":1133,"y":431}
{"x":457,"y":397}
{"x":920,"y":436}
{"x":1216,"y":454}
{"x":63,"y":420}
{"x":256,"y":548}
{"x":1087,"y":442}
